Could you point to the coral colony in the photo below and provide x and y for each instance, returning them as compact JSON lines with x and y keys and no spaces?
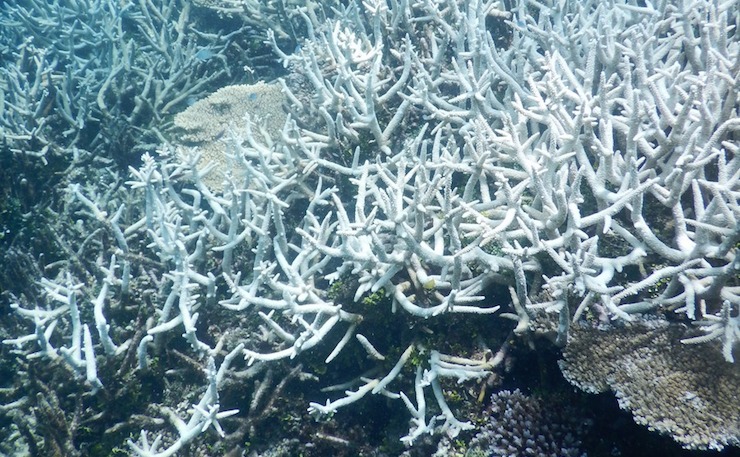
{"x":571,"y":166}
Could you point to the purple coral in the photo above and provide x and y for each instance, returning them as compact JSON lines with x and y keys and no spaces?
{"x":519,"y":425}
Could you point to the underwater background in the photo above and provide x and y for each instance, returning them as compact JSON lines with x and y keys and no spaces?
{"x":200,"y":241}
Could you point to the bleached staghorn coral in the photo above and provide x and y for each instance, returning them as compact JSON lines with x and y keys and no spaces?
{"x":555,"y":171}
{"x":585,"y":149}
{"x":281,"y":17}
{"x":80,"y":328}
{"x":462,"y":160}
{"x":85,"y":75}
{"x":596,"y":150}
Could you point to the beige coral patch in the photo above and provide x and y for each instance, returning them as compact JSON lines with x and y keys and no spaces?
{"x":686,"y":391}
{"x":218,"y":126}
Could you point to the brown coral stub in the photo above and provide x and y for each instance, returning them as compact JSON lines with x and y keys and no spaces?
{"x":685,"y":391}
